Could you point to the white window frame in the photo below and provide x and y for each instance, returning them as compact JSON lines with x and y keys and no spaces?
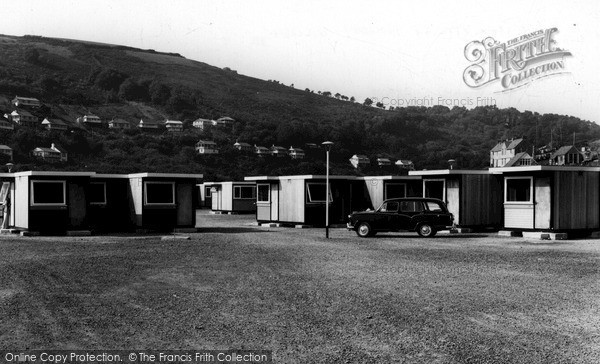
{"x":237,"y":191}
{"x":158,"y":203}
{"x":268,"y":186}
{"x":530,"y":202}
{"x":64,"y":187}
{"x":104,"y":188}
{"x":436,"y":180}
{"x":308,"y":195}
{"x":385,"y":189}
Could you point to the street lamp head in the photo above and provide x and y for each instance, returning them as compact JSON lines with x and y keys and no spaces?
{"x":327,"y":145}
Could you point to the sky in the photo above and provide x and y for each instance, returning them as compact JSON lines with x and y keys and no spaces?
{"x":398,"y":52}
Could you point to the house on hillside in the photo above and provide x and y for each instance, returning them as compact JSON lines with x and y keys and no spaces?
{"x":6,"y":150}
{"x":52,"y":154}
{"x":383,"y":162}
{"x":225,"y":121}
{"x":567,"y":156}
{"x":203,"y":123}
{"x":243,"y":147}
{"x":296,"y":153}
{"x":89,"y":120}
{"x":26,"y":102}
{"x":174,"y":126}
{"x":119,"y":124}
{"x":504,"y":151}
{"x":207,"y":147}
{"x":54,"y":124}
{"x":405,"y":165}
{"x":261,"y":151}
{"x":148,"y":125}
{"x":23,"y":117}
{"x":311,"y":146}
{"x":5,"y":124}
{"x":521,"y":159}
{"x":278,"y":151}
{"x":359,"y":160}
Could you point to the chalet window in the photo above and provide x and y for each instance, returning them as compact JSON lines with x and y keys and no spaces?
{"x":518,"y":189}
{"x":207,"y":192}
{"x":97,"y":193}
{"x":244,"y":192}
{"x":316,"y":192}
{"x":263,"y":193}
{"x":434,"y":188}
{"x":159,"y":193}
{"x":395,"y":190}
{"x":48,"y":193}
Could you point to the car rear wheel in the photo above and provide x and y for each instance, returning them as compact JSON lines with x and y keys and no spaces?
{"x":364,"y":230}
{"x":426,"y":230}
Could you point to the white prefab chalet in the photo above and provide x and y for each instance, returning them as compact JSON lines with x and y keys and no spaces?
{"x":26,"y":101}
{"x":207,"y":147}
{"x":174,"y":126}
{"x":232,"y":197}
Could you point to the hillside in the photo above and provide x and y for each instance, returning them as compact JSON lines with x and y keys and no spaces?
{"x":73,"y":78}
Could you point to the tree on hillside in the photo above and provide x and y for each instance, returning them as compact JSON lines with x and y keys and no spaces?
{"x":159,"y":92}
{"x":380,"y":105}
{"x":352,"y":99}
{"x":368,"y":102}
{"x":110,"y":79}
{"x":338,"y":95}
{"x":327,"y":93}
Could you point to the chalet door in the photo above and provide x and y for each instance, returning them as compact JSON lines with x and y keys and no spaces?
{"x":264,"y":202}
{"x":215,"y":194}
{"x":519,"y":208}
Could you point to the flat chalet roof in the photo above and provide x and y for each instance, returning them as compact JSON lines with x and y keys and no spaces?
{"x":307,"y":176}
{"x":437,"y":172}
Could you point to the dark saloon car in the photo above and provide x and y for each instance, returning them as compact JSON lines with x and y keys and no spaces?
{"x":426,"y":216}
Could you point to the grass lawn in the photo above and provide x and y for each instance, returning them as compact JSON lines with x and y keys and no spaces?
{"x":395,"y":298}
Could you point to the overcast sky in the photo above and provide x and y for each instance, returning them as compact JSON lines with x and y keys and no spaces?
{"x":399,"y":52}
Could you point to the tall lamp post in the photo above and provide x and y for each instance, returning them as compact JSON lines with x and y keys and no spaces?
{"x":327,"y":146}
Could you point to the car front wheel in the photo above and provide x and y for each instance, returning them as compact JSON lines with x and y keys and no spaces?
{"x":364,"y":230}
{"x":426,"y":230}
